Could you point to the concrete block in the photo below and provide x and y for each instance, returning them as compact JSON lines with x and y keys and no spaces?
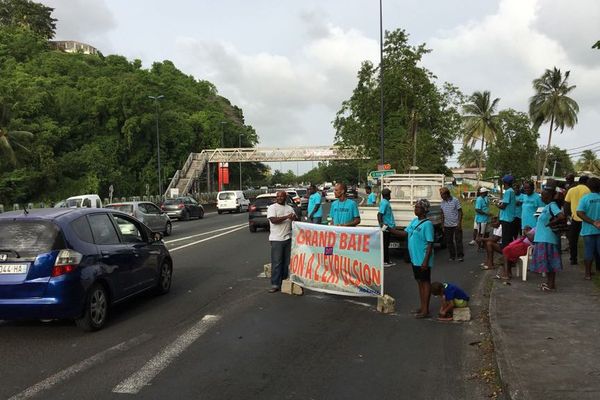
{"x":461,"y":314}
{"x":386,"y":304}
{"x":288,"y":287}
{"x":267,"y":269}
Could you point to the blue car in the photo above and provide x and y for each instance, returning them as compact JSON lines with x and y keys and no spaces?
{"x":74,"y":263}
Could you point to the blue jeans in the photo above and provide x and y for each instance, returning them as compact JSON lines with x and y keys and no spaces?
{"x":280,"y":261}
{"x":591,"y":245}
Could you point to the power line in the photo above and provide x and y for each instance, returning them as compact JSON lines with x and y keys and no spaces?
{"x":585,"y":145}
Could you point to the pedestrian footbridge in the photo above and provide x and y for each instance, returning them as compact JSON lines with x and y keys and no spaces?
{"x":196,"y":164}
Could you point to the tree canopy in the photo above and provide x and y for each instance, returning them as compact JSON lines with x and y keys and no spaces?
{"x":93,"y":124}
{"x":414,"y":108}
{"x":26,"y":14}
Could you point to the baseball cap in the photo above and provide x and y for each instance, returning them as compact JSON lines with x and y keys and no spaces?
{"x":507,"y":179}
{"x":483,"y":190}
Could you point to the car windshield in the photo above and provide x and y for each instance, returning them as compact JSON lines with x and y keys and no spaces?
{"x":292,"y":193}
{"x":74,"y":203}
{"x":28,"y":238}
{"x":264,"y":201}
{"x":226,"y":196}
{"x":126,"y":208}
{"x":301,"y":192}
{"x":173,"y":201}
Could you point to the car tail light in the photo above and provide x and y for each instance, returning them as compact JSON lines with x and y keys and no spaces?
{"x":180,"y":206}
{"x":252,"y":208}
{"x":297,"y":200}
{"x":66,"y":261}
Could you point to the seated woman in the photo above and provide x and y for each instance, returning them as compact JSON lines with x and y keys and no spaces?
{"x":516,"y":249}
{"x":492,"y":244}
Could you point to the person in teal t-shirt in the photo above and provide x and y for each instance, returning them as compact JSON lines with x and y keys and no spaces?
{"x":588,"y":210}
{"x":314,"y":211}
{"x":546,"y":249}
{"x":386,"y":220}
{"x":420,"y":235}
{"x":371,"y":196}
{"x":343,"y":211}
{"x":507,"y":211}
{"x":482,"y":214}
{"x":530,"y":202}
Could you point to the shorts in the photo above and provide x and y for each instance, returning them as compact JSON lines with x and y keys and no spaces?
{"x":482,"y":228}
{"x":591,"y":247}
{"x":460,"y":303}
{"x":422,"y":276}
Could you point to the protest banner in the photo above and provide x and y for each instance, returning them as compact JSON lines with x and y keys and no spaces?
{"x":338,"y":260}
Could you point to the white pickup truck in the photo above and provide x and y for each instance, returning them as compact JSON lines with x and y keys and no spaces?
{"x":406,"y":189}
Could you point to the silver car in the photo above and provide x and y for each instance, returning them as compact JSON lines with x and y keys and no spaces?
{"x":147,"y":212}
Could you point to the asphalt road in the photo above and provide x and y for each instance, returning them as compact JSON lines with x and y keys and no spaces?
{"x":219,"y":335}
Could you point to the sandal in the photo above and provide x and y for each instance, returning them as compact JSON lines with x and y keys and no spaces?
{"x":416,"y":311}
{"x":545,"y":288}
{"x":445,"y":319}
{"x":503,"y":278}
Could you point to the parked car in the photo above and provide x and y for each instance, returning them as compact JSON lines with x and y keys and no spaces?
{"x":303,"y":193}
{"x":183,"y":208}
{"x":257,"y":213}
{"x":75,"y":263}
{"x":232,"y":200}
{"x":147,"y":212}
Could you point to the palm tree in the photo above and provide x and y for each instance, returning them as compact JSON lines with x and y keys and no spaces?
{"x":480,"y":122}
{"x":468,"y":157}
{"x":588,"y":161}
{"x":11,"y":140}
{"x":551,"y":104}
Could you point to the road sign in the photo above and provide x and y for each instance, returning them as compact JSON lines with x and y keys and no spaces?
{"x":382,"y":167}
{"x":379,"y":174}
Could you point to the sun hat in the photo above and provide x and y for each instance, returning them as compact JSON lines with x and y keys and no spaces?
{"x":483,"y":190}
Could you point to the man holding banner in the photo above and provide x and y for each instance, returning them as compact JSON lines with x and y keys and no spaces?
{"x":280,"y":216}
{"x":386,"y":220}
{"x":344,"y":211}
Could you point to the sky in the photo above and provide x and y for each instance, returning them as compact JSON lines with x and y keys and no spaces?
{"x":290,"y":64}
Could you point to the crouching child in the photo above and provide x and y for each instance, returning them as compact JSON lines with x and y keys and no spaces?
{"x":452,"y":297}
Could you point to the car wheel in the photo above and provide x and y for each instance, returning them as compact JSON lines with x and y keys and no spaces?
{"x":219,"y":212}
{"x":168,"y":229}
{"x":164,"y":279}
{"x":252,"y":228}
{"x":201,"y":214}
{"x":95,"y":312}
{"x":185,"y":215}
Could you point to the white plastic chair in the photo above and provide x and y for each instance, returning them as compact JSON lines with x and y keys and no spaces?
{"x":525,"y":263}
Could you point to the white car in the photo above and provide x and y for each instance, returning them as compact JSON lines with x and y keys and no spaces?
{"x":232,"y":200}
{"x":294,"y":195}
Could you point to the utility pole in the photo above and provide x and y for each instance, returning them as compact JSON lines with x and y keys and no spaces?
{"x":381,"y":131}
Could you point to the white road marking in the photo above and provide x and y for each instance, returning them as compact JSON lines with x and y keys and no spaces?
{"x":152,"y":368}
{"x":204,"y":233}
{"x":208,"y":238}
{"x":69,"y":372}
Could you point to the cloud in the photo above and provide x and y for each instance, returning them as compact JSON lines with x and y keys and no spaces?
{"x":504,"y":51}
{"x":277,"y":92}
{"x":87,"y":21}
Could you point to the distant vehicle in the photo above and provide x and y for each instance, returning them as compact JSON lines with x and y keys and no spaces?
{"x":303,"y":193}
{"x":60,"y":204}
{"x":257,"y":213}
{"x":352,"y":192}
{"x":84,"y":200}
{"x":147,"y":212}
{"x":294,"y":195}
{"x":330,"y":195}
{"x":232,"y":200}
{"x":64,"y":263}
{"x":183,"y":208}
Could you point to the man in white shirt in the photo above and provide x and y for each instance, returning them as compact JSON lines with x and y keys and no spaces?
{"x":280,"y":216}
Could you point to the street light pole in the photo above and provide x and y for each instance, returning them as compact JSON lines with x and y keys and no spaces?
{"x":240,"y":154}
{"x":156,"y":103}
{"x":381,"y":157}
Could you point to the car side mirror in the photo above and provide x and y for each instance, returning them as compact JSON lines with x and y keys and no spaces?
{"x":156,"y":237}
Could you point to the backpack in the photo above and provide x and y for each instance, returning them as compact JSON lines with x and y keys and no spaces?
{"x":559,"y":228}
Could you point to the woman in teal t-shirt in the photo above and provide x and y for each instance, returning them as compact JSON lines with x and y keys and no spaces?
{"x":546,"y":251}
